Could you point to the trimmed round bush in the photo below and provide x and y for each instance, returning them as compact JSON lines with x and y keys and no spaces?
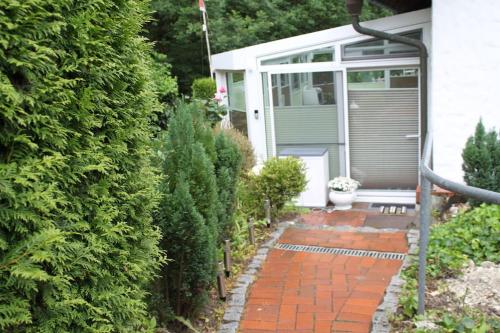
{"x":203,"y":88}
{"x":281,"y":180}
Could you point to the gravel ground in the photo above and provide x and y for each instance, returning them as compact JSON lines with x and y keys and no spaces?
{"x":479,"y":287}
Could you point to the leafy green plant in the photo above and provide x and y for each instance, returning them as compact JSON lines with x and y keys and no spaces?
{"x":481,"y":157}
{"x":203,"y":88}
{"x":280,"y":180}
{"x":203,"y":91}
{"x":473,"y":235}
{"x":77,"y":247}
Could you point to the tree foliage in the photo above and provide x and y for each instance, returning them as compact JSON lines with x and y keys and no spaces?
{"x":481,"y":160}
{"x":76,"y":188}
{"x":165,"y":87}
{"x":234,"y":24}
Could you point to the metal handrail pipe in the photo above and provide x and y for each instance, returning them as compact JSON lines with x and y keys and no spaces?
{"x":469,"y":191}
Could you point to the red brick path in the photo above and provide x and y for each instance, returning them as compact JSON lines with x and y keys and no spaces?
{"x":373,"y":241}
{"x":335,"y":218}
{"x":314,"y":293}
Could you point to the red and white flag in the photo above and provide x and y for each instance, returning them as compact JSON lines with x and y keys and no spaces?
{"x":201,"y":4}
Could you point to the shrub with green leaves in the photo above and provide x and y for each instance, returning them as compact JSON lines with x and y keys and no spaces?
{"x":280,"y":180}
{"x":187,"y":216}
{"x":76,"y":188}
{"x":481,"y":157}
{"x":203,"y":88}
{"x":244,"y":145}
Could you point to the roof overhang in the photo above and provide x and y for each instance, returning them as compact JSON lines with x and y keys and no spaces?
{"x":246,"y":58}
{"x":403,"y":6}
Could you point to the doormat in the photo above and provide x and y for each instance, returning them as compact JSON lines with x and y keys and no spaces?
{"x":378,"y":205}
{"x":390,"y":221}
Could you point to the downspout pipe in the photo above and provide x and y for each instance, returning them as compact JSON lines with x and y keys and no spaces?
{"x":354,"y":7}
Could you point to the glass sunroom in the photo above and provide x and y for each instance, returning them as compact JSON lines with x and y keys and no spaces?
{"x":355,"y":96}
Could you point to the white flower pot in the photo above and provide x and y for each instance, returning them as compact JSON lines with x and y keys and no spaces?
{"x":342,"y":200}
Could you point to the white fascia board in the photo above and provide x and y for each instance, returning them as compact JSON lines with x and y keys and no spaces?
{"x":238,"y":59}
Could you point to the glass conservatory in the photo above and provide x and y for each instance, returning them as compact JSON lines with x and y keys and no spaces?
{"x":355,"y":96}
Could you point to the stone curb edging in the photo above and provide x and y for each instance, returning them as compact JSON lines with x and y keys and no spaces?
{"x":237,"y":295}
{"x":389,"y":305}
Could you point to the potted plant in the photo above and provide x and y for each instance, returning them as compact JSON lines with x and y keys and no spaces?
{"x":343,"y":192}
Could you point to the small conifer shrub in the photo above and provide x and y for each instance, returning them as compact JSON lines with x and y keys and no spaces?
{"x":77,"y":247}
{"x":227,"y":169}
{"x":187,"y":216}
{"x":481,"y":160}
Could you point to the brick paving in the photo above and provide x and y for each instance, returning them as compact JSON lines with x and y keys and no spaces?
{"x":335,"y":218}
{"x":315,"y":293}
{"x":373,"y":241}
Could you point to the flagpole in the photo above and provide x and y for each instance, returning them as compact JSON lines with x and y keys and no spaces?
{"x":205,"y":29}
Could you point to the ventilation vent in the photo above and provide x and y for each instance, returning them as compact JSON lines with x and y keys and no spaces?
{"x":345,"y":252}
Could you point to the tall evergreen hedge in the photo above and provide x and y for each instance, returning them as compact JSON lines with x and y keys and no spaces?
{"x":76,"y":189}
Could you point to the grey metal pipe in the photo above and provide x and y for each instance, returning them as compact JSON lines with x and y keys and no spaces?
{"x":425,"y":221}
{"x":423,"y":65}
{"x":469,"y":191}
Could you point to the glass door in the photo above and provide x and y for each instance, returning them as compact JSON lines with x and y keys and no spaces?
{"x":305,"y":110}
{"x":384,"y":128}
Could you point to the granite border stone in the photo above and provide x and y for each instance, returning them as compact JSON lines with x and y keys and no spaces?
{"x":389,"y":305}
{"x":237,"y":295}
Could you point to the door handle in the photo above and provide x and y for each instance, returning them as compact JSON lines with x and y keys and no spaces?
{"x":412,"y":136}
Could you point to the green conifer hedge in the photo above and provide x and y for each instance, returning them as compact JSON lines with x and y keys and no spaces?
{"x":187,"y":216}
{"x":76,"y":189}
{"x":227,"y":170}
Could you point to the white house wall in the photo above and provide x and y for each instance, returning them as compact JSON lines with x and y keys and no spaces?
{"x":465,"y":76}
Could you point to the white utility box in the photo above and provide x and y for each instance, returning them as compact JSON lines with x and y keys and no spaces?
{"x":316,"y":162}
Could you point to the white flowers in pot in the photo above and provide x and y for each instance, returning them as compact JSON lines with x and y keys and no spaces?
{"x":343,"y":192}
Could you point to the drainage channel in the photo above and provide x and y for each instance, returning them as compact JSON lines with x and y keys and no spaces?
{"x":340,"y":251}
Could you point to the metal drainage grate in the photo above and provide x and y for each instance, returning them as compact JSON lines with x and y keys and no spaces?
{"x":345,"y":252}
